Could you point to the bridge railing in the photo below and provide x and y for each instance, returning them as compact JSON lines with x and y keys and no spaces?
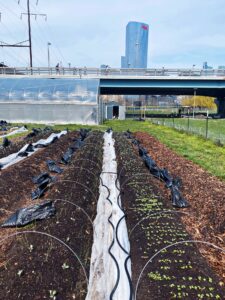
{"x":110,"y":72}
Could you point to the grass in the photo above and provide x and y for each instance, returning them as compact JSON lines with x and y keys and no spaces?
{"x":216,"y":128}
{"x":15,"y":136}
{"x":203,"y":152}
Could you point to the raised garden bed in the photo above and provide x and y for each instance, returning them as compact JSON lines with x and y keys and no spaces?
{"x":18,"y":143}
{"x":204,"y":192}
{"x":50,"y":259}
{"x":39,"y":265}
{"x":177,"y":272}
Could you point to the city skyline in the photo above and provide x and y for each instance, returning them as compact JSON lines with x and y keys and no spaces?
{"x":183,"y":33}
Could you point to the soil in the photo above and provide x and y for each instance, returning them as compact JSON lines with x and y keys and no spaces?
{"x":18,"y":142}
{"x":205,"y":193}
{"x":20,"y":176}
{"x":44,"y":264}
{"x":179,"y":272}
{"x":38,"y":266}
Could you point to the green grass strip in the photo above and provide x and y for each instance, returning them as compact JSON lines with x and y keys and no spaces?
{"x":203,"y":152}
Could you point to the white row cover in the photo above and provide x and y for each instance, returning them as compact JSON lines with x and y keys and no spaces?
{"x":103,"y":271}
{"x":18,"y":130}
{"x":15,"y":158}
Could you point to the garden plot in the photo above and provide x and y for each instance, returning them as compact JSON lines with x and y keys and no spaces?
{"x":204,"y":192}
{"x":86,"y":239}
{"x":29,"y":149}
{"x":52,"y":261}
{"x":174,"y":268}
{"x":32,"y":137}
{"x":13,"y":132}
{"x":16,"y":181}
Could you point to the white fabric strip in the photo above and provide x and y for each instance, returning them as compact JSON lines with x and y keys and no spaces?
{"x":19,"y":130}
{"x":14,"y":158}
{"x":103,"y":271}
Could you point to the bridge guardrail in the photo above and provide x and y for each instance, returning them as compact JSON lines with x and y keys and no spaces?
{"x":110,"y":72}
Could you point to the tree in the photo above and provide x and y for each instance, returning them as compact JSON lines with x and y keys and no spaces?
{"x":199,"y":101}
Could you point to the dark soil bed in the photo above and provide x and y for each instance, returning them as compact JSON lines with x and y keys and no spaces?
{"x":178,"y":272}
{"x":18,"y":143}
{"x":16,"y":181}
{"x":38,"y":266}
{"x":205,"y":193}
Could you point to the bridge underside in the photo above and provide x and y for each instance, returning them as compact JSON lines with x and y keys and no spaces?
{"x":214,"y":88}
{"x":160,"y":91}
{"x":201,"y":87}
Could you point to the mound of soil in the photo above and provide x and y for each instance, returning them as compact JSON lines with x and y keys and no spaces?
{"x":174,"y":267}
{"x":18,"y":142}
{"x":52,"y":260}
{"x":204,"y":192}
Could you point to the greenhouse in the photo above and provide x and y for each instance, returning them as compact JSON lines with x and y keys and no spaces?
{"x":50,"y":100}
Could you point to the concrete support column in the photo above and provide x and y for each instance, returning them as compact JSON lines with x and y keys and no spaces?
{"x":221,"y":106}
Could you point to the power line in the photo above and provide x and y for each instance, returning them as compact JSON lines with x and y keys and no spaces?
{"x":52,"y":38}
{"x":36,"y":39}
{"x":21,"y":44}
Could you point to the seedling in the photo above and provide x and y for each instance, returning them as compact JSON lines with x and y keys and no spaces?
{"x":31,"y":248}
{"x":65,"y":266}
{"x":20,"y":273}
{"x":52,"y":294}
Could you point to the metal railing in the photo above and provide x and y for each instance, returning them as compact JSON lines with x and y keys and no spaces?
{"x":112,"y":72}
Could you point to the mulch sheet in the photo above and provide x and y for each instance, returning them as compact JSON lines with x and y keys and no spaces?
{"x":204,"y":192}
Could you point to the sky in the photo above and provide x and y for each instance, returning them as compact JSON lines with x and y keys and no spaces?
{"x":92,"y":32}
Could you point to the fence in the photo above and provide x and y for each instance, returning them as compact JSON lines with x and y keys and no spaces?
{"x":207,"y":128}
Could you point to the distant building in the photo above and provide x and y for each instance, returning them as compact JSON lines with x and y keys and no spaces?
{"x":221,"y":67}
{"x":136,"y":46}
{"x":206,"y":66}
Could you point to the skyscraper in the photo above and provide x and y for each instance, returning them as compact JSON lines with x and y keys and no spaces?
{"x":136,"y":46}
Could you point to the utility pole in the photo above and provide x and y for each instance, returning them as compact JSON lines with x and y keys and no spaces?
{"x":20,"y":44}
{"x":29,"y":14}
{"x":29,"y":32}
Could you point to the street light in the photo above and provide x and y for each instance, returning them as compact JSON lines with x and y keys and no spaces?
{"x":48,"y":44}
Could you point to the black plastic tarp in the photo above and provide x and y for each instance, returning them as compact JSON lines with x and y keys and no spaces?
{"x":29,"y":148}
{"x":27,"y":215}
{"x":52,"y":166}
{"x":43,"y":180}
{"x":162,"y":174}
{"x":6,"y":142}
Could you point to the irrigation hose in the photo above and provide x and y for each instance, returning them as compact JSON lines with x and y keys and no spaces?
{"x":111,"y":245}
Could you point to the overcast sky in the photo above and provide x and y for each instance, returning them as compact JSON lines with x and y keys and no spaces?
{"x":182,"y":33}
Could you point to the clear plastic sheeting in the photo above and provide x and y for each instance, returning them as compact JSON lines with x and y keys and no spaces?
{"x":54,"y":89}
{"x":18,"y":156}
{"x":49,"y":100}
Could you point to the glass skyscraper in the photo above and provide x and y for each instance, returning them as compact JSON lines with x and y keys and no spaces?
{"x":136,"y":46}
